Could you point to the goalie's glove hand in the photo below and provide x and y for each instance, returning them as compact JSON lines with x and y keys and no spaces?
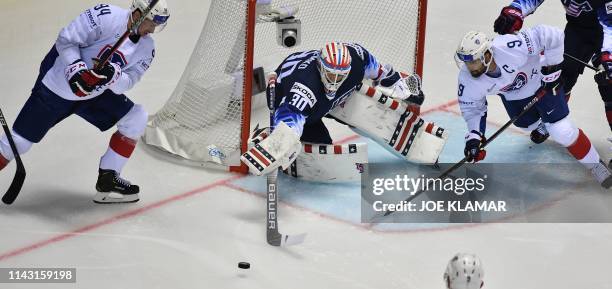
{"x":509,"y":21}
{"x":407,"y":88}
{"x":81,"y":79}
{"x":603,"y":61}
{"x":416,"y":99}
{"x":551,"y":79}
{"x":473,"y":147}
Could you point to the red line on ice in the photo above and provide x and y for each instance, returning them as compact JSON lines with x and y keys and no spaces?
{"x":114,"y":219}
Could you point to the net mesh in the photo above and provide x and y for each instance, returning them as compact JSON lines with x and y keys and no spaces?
{"x":202,"y":119}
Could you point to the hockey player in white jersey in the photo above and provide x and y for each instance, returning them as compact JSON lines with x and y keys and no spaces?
{"x":517,"y":68}
{"x":68,"y":84}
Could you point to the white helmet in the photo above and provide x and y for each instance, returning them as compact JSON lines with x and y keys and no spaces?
{"x":464,"y":271}
{"x":334,"y":64}
{"x":473,"y":47}
{"x":159,"y":14}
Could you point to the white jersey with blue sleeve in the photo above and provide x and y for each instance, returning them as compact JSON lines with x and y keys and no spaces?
{"x":89,"y":36}
{"x":519,"y":59}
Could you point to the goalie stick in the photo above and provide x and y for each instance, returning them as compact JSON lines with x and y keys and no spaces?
{"x":273,"y":237}
{"x":527,"y":107}
{"x":20,"y":174}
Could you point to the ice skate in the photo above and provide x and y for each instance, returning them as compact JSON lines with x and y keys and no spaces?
{"x":112,"y":189}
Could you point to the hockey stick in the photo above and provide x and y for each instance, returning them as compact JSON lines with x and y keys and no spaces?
{"x":273,"y":237}
{"x":20,"y":174}
{"x":527,"y":107}
{"x":143,"y":16}
{"x":581,"y":62}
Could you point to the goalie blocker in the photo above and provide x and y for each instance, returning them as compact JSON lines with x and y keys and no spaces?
{"x":279,"y":149}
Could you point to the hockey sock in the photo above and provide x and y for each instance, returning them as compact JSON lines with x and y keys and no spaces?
{"x":119,"y":151}
{"x":583,"y":151}
{"x":3,"y":162}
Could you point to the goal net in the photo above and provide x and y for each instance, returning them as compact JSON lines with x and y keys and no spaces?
{"x":207,"y":119}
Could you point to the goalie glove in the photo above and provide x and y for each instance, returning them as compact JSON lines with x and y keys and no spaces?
{"x":279,"y":149}
{"x":408,"y":87}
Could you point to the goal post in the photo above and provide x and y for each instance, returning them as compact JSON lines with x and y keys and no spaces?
{"x":208,"y":118}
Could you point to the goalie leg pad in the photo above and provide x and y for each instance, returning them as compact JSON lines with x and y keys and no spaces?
{"x":329,"y":163}
{"x":280,"y":149}
{"x":392,"y":124}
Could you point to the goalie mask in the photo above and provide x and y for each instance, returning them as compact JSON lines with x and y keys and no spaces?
{"x":471,"y":52}
{"x":464,"y":271}
{"x":159,"y":14}
{"x":334,"y":65}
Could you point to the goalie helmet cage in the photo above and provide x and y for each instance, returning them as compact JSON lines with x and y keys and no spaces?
{"x":206,"y":121}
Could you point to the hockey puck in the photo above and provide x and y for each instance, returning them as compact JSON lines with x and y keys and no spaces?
{"x":244,"y":265}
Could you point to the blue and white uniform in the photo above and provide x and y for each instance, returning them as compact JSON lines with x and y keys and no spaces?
{"x":301,"y":99}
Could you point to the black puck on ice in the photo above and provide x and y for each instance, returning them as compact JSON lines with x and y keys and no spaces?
{"x":244,"y":265}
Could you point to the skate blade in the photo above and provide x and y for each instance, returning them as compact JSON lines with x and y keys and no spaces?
{"x":114,"y":198}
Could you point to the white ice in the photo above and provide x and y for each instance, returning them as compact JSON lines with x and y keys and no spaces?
{"x":193,"y":226}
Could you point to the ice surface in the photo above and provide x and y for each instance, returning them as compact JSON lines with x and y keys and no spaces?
{"x":193,"y":226}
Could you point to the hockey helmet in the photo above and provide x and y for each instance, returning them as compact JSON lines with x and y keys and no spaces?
{"x":464,"y":271}
{"x":334,"y":64}
{"x":472,"y":48}
{"x":159,"y":14}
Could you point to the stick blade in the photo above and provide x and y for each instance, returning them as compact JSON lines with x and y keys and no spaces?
{"x":15,"y":187}
{"x":290,"y":240}
{"x":280,"y":240}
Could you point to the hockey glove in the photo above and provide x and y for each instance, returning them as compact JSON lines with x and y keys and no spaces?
{"x":510,"y":20}
{"x":81,"y":80}
{"x":604,"y":63}
{"x":473,"y":147}
{"x":107,"y":74}
{"x":551,"y":79}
